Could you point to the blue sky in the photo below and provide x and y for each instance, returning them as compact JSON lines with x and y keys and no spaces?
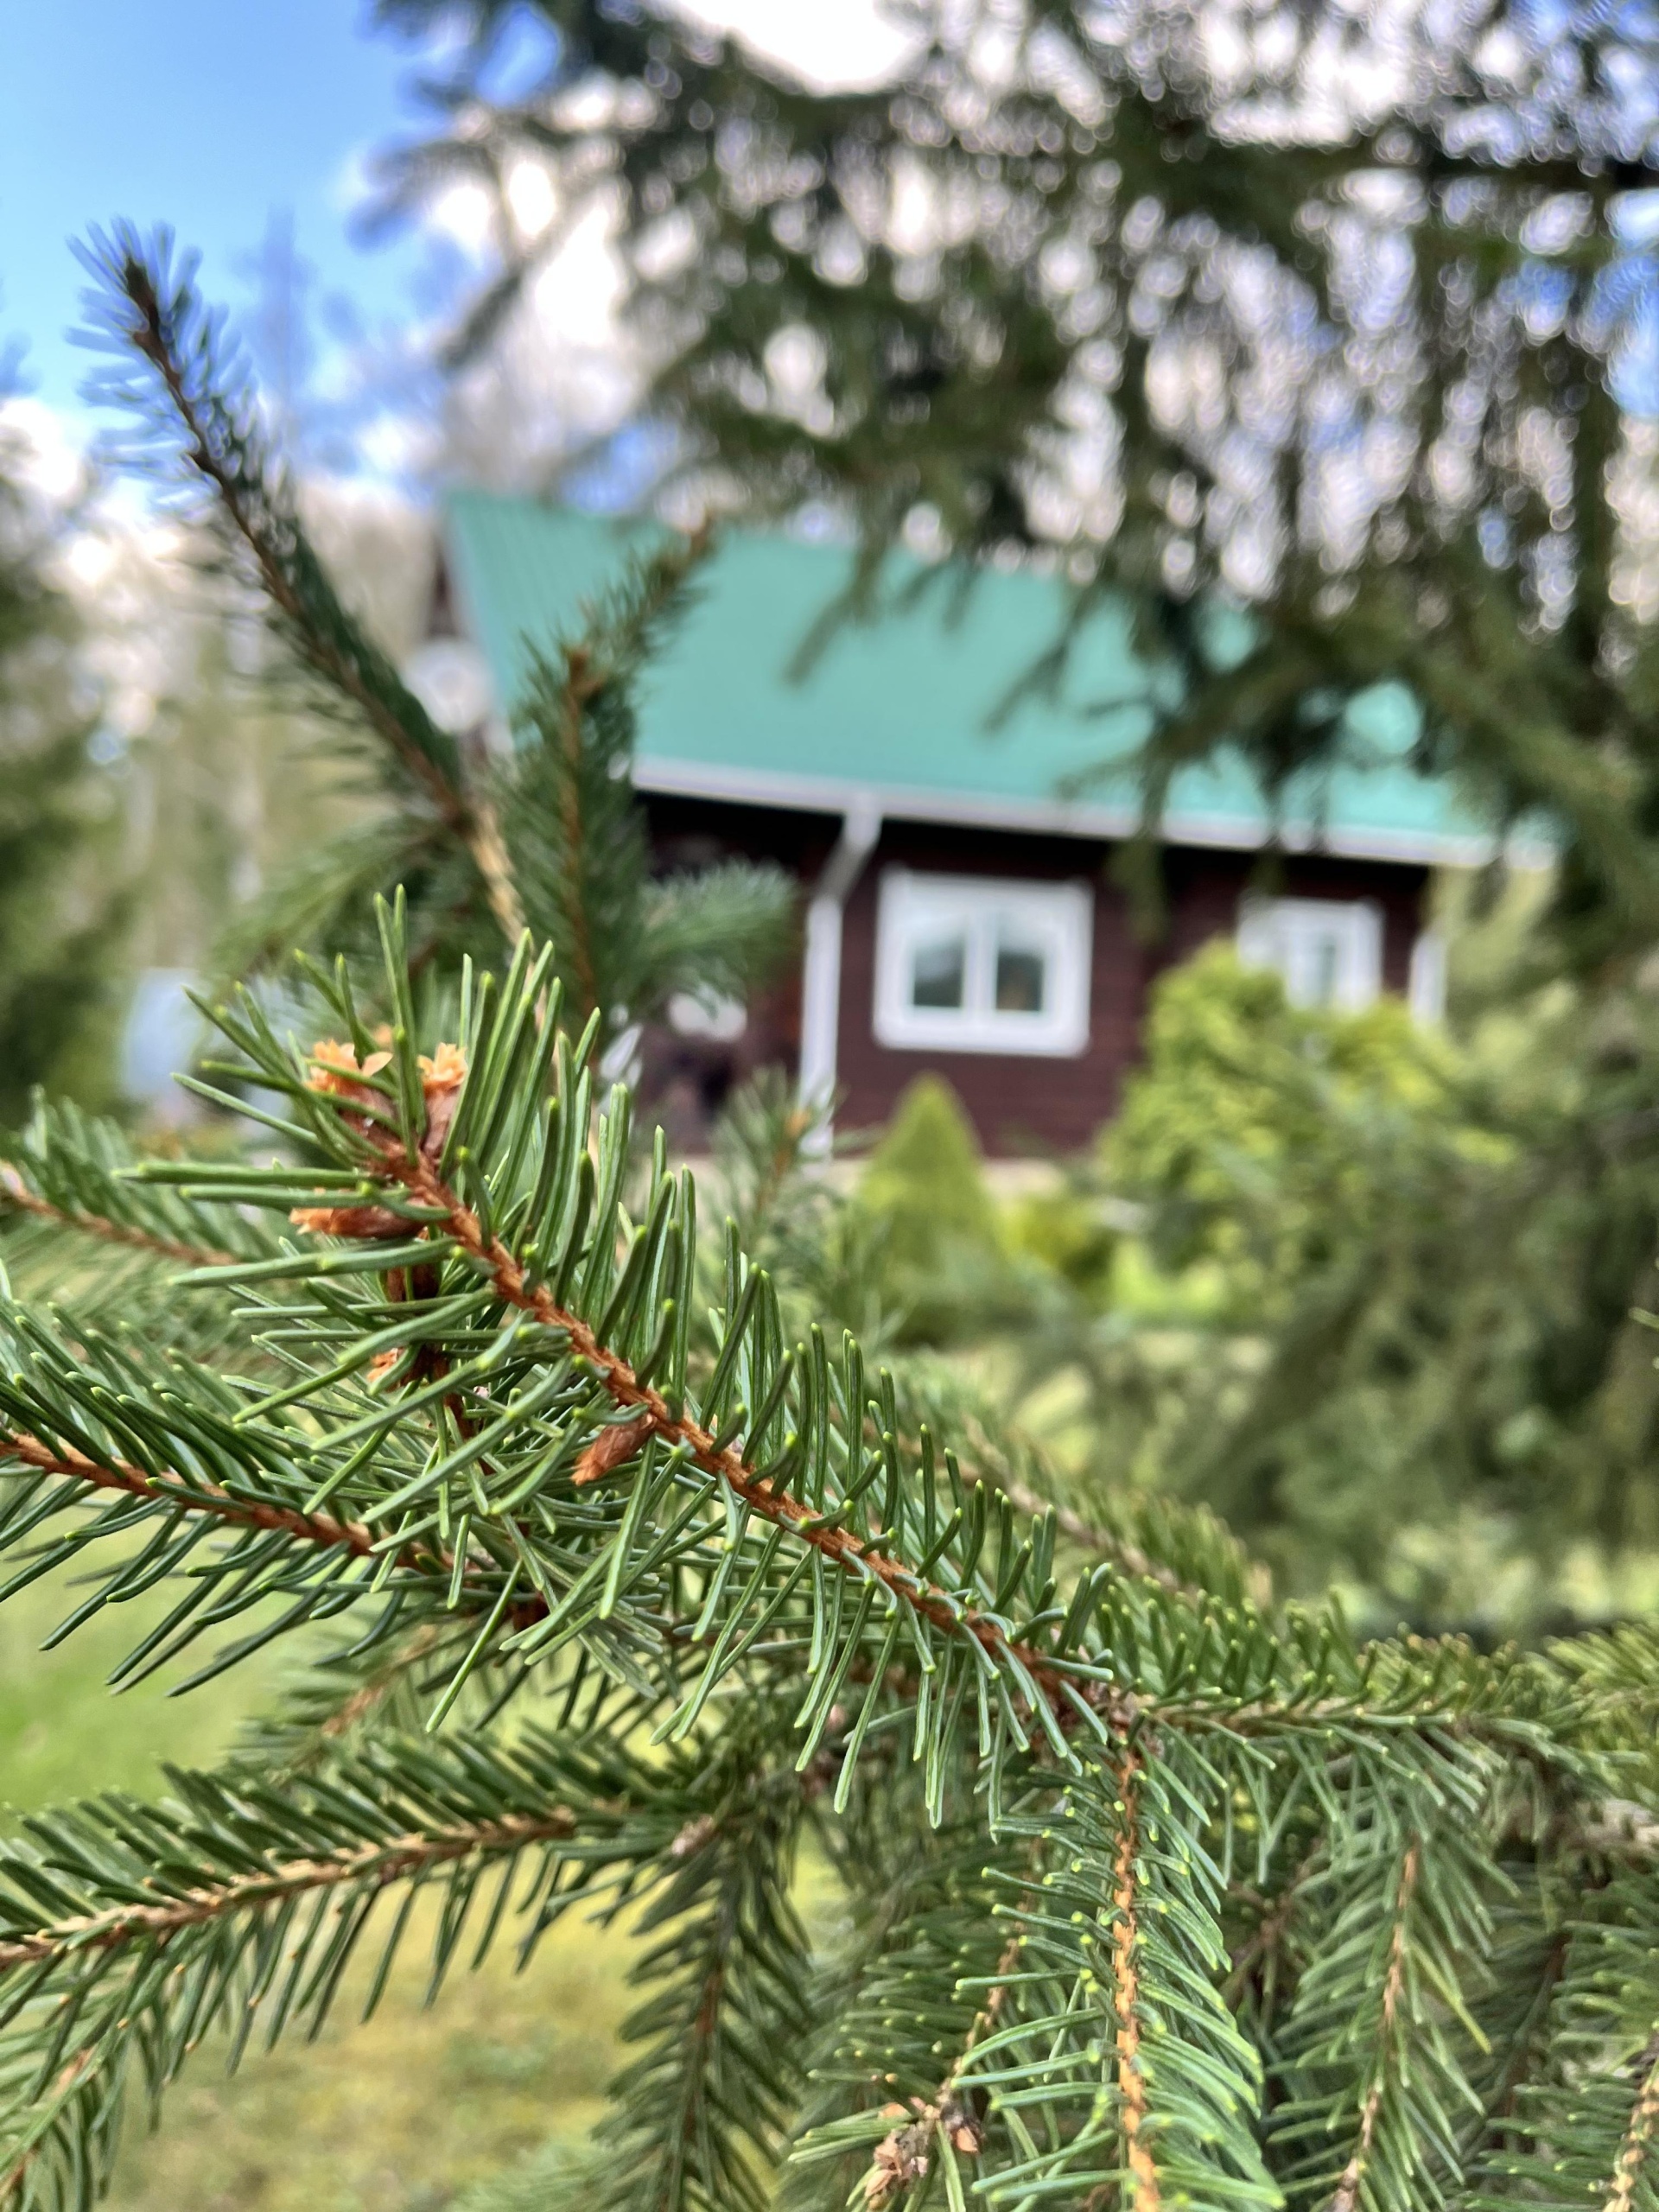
{"x":216,"y":116}
{"x":206,"y":114}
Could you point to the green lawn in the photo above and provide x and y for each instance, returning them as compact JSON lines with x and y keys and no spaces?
{"x":393,"y":2117}
{"x":62,"y":1733}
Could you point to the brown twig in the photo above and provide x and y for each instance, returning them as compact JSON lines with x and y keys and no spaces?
{"x":68,"y":2078}
{"x":1501,"y":2104}
{"x":1145,"y":2194}
{"x":1119,"y":1709}
{"x":1269,"y":1930}
{"x":380,"y":1863}
{"x":14,"y":1191}
{"x":838,"y":1545}
{"x":369,"y":1696}
{"x":198,"y":1496}
{"x":1638,"y":2136}
{"x":1347,"y":2193}
{"x":195,"y":1496}
{"x":903,"y":2155}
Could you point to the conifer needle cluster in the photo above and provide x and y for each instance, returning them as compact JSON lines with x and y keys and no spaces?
{"x":622,"y":1581}
{"x":1155,"y":1896}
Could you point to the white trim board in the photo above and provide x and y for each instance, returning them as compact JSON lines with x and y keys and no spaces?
{"x":908,"y":803}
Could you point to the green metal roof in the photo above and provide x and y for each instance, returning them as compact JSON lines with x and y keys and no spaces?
{"x":893,"y":715}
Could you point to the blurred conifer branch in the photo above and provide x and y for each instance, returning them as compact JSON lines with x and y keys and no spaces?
{"x":197,"y":424}
{"x":1157,"y":1896}
{"x":549,"y":836}
{"x":1210,"y":320}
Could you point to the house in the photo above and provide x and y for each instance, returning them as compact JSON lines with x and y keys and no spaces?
{"x":960,"y":912}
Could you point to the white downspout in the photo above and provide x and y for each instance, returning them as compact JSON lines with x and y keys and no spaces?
{"x":821,"y":973}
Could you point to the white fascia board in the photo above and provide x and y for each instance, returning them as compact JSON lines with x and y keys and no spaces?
{"x":1058,"y":818}
{"x":1055,"y":817}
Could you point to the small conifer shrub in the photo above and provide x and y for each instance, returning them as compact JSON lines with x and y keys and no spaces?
{"x":621,"y":1574}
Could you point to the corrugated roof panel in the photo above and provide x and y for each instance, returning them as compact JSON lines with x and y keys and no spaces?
{"x":898,"y":711}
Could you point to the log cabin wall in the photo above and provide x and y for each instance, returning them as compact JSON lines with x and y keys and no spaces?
{"x":1018,"y":1104}
{"x":1203,"y":890}
{"x":1023,"y":1105}
{"x":684,"y":1080}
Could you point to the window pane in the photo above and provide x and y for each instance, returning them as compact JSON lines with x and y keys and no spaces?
{"x":1329,"y":952}
{"x":939,"y":968}
{"x":1022,"y":977}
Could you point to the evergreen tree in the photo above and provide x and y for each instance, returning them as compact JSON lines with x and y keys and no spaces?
{"x":1156,"y":1896}
{"x":1338,"y":321}
{"x":1369,"y":1291}
{"x":550,"y":836}
{"x":58,"y":820}
{"x":941,"y":1262}
{"x":1338,"y":317}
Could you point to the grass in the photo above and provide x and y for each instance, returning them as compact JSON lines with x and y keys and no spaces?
{"x":397,"y":2116}
{"x":63,"y":1733}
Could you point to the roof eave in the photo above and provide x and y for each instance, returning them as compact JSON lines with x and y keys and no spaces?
{"x":834,"y":795}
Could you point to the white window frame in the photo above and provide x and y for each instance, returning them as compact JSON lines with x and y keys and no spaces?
{"x":1058,"y":917}
{"x":1282,"y":934}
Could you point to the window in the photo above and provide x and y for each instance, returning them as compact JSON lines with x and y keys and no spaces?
{"x":971,"y":963}
{"x":1328,"y":950}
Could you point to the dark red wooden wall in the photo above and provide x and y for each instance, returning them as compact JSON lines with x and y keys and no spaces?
{"x":1017,"y":1105}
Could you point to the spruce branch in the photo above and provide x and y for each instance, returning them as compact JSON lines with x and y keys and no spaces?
{"x":928,"y":1974}
{"x":339,"y":1700}
{"x":551,"y":835}
{"x":1102,"y":2091}
{"x":49,"y":2111}
{"x":906,"y":2155}
{"x":1631,"y":2166}
{"x":1276,"y":1912}
{"x":146,"y":306}
{"x":410,"y":1169}
{"x":14,"y":1192}
{"x":1346,"y":2196}
{"x":624,"y":940}
{"x":1582,"y":2125}
{"x":1523,"y":2041}
{"x":127,"y":1929}
{"x":397,"y":1859}
{"x":404,"y":1138}
{"x":180,"y":1493}
{"x":1382,"y":2034}
{"x":759,"y":1150}
{"x":71,"y":1171}
{"x":650,"y":1415}
{"x":1074,"y":1806}
{"x":703,"y":2115}
{"x":1183,"y":1547}
{"x":579,"y":688}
